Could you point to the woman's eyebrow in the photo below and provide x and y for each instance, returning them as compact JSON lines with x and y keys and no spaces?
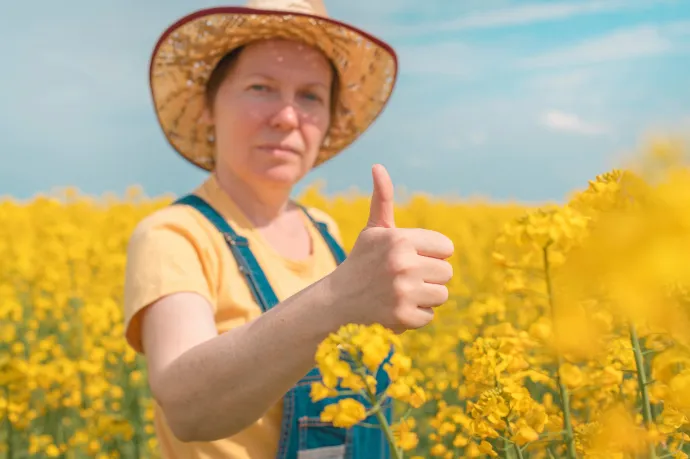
{"x":270,"y":78}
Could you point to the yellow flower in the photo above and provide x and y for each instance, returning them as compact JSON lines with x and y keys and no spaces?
{"x":346,"y":413}
{"x":571,"y":375}
{"x":338,"y":357}
{"x":446,"y":428}
{"x":525,"y":434}
{"x":417,"y":397}
{"x":438,"y":450}
{"x":375,"y":351}
{"x":679,"y":389}
{"x":539,"y":292}
{"x":403,"y":391}
{"x":399,"y":390}
{"x":399,"y":366}
{"x":460,"y":440}
{"x":319,"y":392}
{"x":486,"y":448}
{"x":404,"y":437}
{"x":672,"y":420}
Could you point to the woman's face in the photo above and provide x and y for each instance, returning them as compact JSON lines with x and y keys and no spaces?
{"x":272,"y":111}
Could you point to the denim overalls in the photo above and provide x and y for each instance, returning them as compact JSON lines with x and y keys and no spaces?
{"x":303,"y":434}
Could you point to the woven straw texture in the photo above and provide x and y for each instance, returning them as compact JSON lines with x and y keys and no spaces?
{"x":187,"y":53}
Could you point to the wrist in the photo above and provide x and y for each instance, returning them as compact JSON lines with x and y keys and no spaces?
{"x":330,"y":308}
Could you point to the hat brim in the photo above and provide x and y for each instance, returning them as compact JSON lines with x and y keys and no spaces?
{"x":188,"y":51}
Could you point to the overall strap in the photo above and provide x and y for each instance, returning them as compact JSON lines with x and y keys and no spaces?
{"x":247,"y":263}
{"x":239,"y":246}
{"x":336,"y":250}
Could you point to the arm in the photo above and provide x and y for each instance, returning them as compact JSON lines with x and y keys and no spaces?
{"x":211,"y":386}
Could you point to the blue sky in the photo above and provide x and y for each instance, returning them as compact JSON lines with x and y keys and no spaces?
{"x":506,"y":99}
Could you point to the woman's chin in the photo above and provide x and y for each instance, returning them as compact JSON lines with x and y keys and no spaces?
{"x":284,"y":174}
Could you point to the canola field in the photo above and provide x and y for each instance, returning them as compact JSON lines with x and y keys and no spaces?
{"x":567,"y":333}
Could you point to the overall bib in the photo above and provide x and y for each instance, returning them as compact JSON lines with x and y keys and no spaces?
{"x":303,"y":434}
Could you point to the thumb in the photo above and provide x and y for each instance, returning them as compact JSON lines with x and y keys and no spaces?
{"x":381,"y":213}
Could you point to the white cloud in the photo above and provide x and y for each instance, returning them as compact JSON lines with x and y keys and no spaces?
{"x":627,"y":43}
{"x":533,"y":12}
{"x":679,"y":28}
{"x":472,"y":61}
{"x":474,"y":15}
{"x":584,"y":88}
{"x":569,"y":122}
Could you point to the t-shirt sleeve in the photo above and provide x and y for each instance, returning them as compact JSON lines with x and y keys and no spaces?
{"x":167,"y":253}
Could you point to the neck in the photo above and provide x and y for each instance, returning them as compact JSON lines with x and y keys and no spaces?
{"x":261,"y":204}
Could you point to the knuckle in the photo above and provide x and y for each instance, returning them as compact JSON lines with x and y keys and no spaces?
{"x":399,"y":315}
{"x":401,"y":290}
{"x":445,"y":244}
{"x":397,"y":240}
{"x":424,"y":319}
{"x":444,"y":294}
{"x":449,"y":271}
{"x":450,"y":244}
{"x":437,"y":295}
{"x":397,"y":263}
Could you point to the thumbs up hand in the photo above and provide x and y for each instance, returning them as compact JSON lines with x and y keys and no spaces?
{"x":393,"y":276}
{"x":381,"y":213}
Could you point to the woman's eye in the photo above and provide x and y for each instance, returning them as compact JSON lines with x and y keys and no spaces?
{"x":258,"y":87}
{"x":312,"y":96}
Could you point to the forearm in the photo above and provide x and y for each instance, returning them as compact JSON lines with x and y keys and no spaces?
{"x":219,"y":387}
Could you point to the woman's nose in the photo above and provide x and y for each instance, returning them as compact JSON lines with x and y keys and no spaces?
{"x":286,"y":118}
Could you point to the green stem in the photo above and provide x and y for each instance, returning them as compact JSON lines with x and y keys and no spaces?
{"x":518,"y":450}
{"x":10,"y":439}
{"x":396,"y":453}
{"x":137,"y":440}
{"x":10,"y":430}
{"x":507,"y":444}
{"x":642,"y":383}
{"x":506,"y":447}
{"x":562,"y":389}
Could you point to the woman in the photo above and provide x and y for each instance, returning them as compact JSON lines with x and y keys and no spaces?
{"x":229,"y":291}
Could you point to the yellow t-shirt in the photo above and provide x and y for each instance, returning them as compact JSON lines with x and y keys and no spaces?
{"x":177,"y":249}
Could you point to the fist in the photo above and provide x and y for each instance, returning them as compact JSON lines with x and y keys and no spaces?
{"x":393,"y":276}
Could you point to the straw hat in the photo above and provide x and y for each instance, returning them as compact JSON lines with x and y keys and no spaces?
{"x":188,"y":51}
